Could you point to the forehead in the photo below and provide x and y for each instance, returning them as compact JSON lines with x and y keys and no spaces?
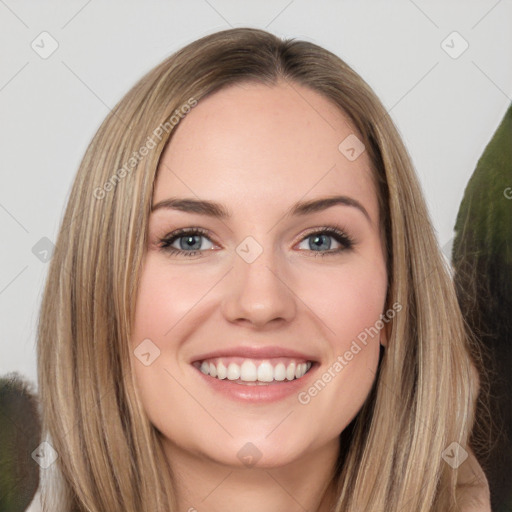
{"x":254,"y":145}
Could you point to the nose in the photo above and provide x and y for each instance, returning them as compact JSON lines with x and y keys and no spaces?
{"x":259,"y":293}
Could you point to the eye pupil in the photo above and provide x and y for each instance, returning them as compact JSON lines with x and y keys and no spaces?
{"x":318,"y":244}
{"x":189,"y":242}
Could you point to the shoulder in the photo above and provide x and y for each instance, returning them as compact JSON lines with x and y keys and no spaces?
{"x":473,"y":494}
{"x":35,"y":505}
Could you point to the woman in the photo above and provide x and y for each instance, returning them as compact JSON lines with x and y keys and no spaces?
{"x":196,"y":350}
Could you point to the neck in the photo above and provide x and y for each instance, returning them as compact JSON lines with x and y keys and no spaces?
{"x":202,"y":484}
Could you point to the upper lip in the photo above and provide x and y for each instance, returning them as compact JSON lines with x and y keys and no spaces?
{"x":254,"y":353}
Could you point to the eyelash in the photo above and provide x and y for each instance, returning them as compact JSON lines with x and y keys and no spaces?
{"x":339,"y":235}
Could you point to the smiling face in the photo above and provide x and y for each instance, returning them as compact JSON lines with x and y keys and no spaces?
{"x":269,"y":282}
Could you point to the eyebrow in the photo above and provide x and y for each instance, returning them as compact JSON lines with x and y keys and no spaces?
{"x":217,"y":210}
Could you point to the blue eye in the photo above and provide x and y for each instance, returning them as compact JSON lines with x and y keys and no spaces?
{"x":189,"y":242}
{"x":321,"y":238}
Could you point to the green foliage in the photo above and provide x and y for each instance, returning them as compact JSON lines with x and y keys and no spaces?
{"x":484,"y":221}
{"x":20,"y":434}
{"x":482,"y":259}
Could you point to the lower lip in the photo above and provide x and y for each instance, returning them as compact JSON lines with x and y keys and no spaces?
{"x":258,"y":393}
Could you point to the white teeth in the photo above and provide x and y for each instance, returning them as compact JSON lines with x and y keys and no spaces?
{"x":222,"y":371}
{"x":299,"y":371}
{"x":279,"y":372}
{"x":290,"y":371}
{"x":233,"y":371}
{"x":265,"y":372}
{"x":249,"y":372}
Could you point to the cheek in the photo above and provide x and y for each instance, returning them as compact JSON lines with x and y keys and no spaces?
{"x":163,"y":301}
{"x":165,"y":298}
{"x":348,"y":300}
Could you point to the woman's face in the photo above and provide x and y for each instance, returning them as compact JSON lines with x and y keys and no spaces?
{"x":265,"y":289}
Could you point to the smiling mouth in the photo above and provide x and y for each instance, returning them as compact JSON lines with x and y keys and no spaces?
{"x":254,"y":371}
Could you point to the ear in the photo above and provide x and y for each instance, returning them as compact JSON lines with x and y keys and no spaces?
{"x":384,"y":336}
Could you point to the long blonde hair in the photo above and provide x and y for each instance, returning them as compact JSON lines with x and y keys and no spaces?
{"x":110,"y":457}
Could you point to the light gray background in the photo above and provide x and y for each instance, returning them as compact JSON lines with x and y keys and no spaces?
{"x":446,"y":108}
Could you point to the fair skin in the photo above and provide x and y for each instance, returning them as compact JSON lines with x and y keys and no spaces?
{"x":258,"y":150}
